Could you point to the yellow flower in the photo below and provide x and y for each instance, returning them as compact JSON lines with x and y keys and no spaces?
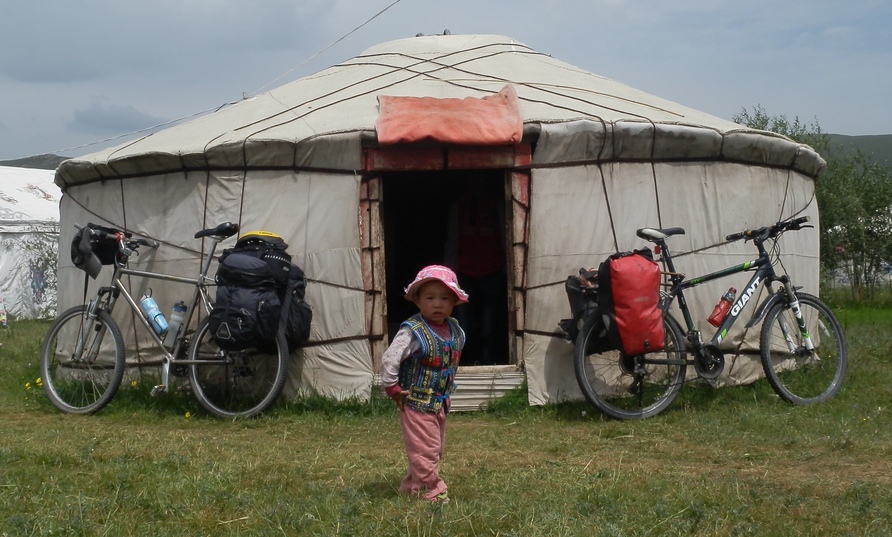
{"x":188,"y":414}
{"x":133,"y":384}
{"x":39,"y":381}
{"x":27,"y":385}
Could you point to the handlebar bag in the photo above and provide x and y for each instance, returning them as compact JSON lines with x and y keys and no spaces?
{"x":629,"y":297}
{"x":82,"y":254}
{"x":89,"y":253}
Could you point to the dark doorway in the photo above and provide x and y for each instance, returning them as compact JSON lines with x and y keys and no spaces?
{"x":422,"y":212}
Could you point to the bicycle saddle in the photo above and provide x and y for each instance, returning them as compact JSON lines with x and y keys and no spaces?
{"x":224,"y":230}
{"x":652,"y":234}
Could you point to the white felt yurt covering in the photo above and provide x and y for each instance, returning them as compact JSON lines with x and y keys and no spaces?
{"x":29,"y":234}
{"x":597,"y":160}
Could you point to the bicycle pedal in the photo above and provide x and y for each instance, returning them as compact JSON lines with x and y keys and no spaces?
{"x":161,"y":388}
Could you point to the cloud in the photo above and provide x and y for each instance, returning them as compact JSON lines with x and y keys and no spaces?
{"x":172,"y":59}
{"x":99,"y":119}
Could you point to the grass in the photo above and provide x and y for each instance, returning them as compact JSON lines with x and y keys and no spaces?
{"x":729,"y":462}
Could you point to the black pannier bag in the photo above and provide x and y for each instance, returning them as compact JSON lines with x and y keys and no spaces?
{"x":629,"y":298}
{"x":299,"y":313}
{"x":268,"y":247}
{"x":582,"y":294}
{"x":256,"y":284}
{"x":247,"y":307}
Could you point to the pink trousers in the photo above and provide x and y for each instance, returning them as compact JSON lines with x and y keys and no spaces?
{"x":424,"y":437}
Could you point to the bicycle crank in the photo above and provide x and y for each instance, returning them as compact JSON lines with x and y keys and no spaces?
{"x":709,"y":362}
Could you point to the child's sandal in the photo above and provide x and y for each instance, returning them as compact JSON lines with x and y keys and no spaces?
{"x":442,"y":497}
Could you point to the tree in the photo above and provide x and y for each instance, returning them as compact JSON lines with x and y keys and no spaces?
{"x":855,"y":199}
{"x":811,"y":135}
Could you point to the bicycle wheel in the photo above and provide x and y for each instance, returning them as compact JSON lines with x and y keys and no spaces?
{"x":801,"y":376}
{"x":81,"y":369}
{"x":236,"y":384}
{"x":629,"y":387}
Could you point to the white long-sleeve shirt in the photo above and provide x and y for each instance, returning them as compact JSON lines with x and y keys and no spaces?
{"x":404,"y":344}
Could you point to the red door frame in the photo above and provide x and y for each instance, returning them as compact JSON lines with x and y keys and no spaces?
{"x":514,"y":159}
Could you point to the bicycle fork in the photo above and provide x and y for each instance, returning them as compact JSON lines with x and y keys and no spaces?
{"x":88,"y":325}
{"x":793,"y":301}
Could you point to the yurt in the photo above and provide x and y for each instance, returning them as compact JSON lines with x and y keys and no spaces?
{"x":359,"y":167}
{"x":29,"y":235}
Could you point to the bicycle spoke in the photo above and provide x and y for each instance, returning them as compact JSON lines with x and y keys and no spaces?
{"x":629,"y":387}
{"x":236,"y":384}
{"x":798,"y":374}
{"x":84,"y":383}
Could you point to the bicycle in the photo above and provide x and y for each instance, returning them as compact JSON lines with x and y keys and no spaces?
{"x":82,"y":359}
{"x":801,"y":344}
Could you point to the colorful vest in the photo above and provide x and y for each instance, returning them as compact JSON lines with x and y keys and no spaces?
{"x":429,"y":374}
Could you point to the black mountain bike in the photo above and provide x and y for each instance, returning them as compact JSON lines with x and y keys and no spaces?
{"x":802,"y":347}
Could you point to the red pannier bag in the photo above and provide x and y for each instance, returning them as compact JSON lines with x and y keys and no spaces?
{"x":629,"y":299}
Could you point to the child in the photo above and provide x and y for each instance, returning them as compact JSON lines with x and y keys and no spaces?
{"x":418,"y":372}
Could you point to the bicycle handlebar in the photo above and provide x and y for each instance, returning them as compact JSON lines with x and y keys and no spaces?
{"x":770,"y":231}
{"x":227,"y":229}
{"x":126,"y":245}
{"x":143,"y":242}
{"x":98,"y":233}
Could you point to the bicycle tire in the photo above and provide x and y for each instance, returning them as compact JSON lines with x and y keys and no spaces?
{"x":608,"y":383}
{"x":799,"y":376}
{"x":85,"y":384}
{"x":236,"y":384}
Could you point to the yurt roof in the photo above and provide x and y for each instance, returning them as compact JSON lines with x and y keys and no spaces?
{"x":275,"y":128}
{"x":29,"y":200}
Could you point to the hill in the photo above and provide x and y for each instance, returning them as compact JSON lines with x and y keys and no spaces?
{"x":878,"y":147}
{"x":40,"y":162}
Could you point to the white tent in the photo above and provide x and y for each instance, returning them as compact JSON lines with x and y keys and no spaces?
{"x":29,"y":233}
{"x":591,"y":161}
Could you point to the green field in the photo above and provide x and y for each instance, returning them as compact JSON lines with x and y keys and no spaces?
{"x":733,"y":461}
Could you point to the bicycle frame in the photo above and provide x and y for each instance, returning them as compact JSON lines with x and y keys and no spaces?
{"x":199,"y":295}
{"x":764,"y":274}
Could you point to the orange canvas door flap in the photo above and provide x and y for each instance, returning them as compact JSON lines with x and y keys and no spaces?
{"x":490,"y":120}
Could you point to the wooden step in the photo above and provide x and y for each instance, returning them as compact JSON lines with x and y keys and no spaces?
{"x":477,"y":385}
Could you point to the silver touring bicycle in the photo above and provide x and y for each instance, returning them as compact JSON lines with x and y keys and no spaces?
{"x":83,"y":359}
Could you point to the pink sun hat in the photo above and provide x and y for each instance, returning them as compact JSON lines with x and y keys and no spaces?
{"x":440,"y":273}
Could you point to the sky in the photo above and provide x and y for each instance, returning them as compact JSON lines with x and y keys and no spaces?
{"x":76,"y":77}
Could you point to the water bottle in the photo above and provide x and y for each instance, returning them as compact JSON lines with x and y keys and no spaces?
{"x":721,"y":309}
{"x":153,"y":314}
{"x":177,"y":316}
